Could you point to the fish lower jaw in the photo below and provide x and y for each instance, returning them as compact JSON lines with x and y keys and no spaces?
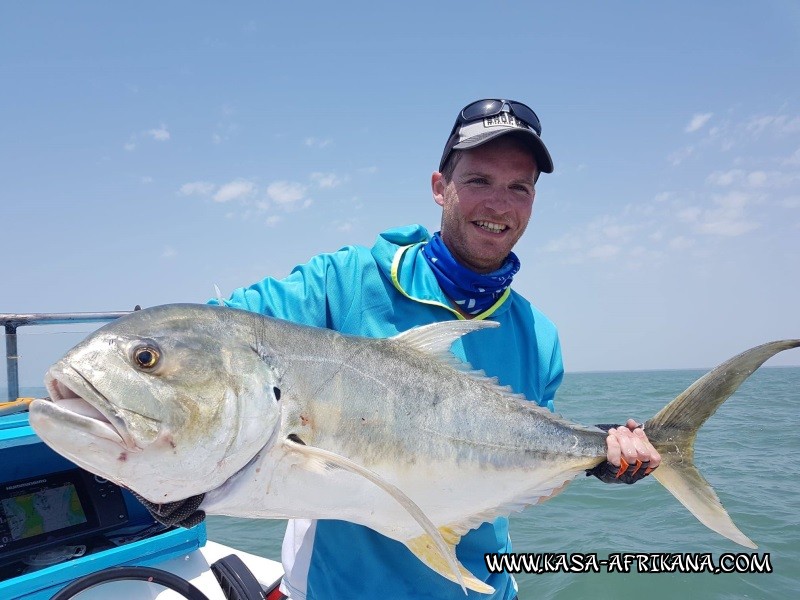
{"x":66,"y":405}
{"x":78,"y":413}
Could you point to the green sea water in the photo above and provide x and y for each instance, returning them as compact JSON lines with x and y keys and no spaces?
{"x":748,"y":452}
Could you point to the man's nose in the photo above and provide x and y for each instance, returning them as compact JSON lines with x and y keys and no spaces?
{"x":499,"y":200}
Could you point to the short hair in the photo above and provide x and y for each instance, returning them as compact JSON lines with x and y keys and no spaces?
{"x":450,"y":165}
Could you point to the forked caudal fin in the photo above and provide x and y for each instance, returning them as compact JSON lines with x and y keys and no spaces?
{"x":672,"y":431}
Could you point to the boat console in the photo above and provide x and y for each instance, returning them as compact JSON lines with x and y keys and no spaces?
{"x":53,"y":509}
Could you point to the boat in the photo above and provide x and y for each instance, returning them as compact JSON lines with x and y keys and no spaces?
{"x":65,"y":532}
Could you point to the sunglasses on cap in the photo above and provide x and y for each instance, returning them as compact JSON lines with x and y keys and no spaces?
{"x":482,"y":109}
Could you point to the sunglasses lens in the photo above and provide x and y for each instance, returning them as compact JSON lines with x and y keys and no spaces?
{"x":480,"y":109}
{"x":526,"y":114}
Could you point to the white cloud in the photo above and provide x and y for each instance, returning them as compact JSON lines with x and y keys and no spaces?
{"x":663,"y":197}
{"x":327,"y":180}
{"x":199,"y":188}
{"x":757,"y":178}
{"x":726,"y":178}
{"x":345,"y":225}
{"x":753,"y":179}
{"x":286,"y":192}
{"x":234,"y":190}
{"x":130,"y":146}
{"x":616,"y":231}
{"x":698,"y":121}
{"x":169,"y":252}
{"x":779,"y":124}
{"x":727,"y":218}
{"x":313,"y":142}
{"x":793,"y":160}
{"x":566,"y":243}
{"x":679,"y":156}
{"x":681,"y":243}
{"x":160,"y":135}
{"x":147,"y":179}
{"x":690,"y":214}
{"x":273,"y":220}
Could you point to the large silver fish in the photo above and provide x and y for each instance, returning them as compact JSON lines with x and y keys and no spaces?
{"x":395,"y":434}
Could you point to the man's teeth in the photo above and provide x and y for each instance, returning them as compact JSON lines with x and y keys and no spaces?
{"x":493,"y":227}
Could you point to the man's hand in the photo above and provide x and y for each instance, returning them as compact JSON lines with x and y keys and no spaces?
{"x":630,"y":455}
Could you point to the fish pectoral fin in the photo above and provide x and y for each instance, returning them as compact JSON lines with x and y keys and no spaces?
{"x":691,"y":489}
{"x":320,"y":458}
{"x":426,"y":550}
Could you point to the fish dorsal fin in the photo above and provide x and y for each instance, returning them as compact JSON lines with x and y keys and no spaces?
{"x":442,"y":554}
{"x":437,"y":338}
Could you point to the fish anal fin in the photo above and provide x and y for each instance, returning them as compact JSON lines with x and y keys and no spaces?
{"x":691,"y":489}
{"x":320,"y":459}
{"x":426,"y":550}
{"x":556,"y":491}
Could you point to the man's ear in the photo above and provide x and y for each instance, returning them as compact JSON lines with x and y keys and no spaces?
{"x":437,"y":187}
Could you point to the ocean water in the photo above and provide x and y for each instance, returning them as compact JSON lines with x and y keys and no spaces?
{"x":748,"y":452}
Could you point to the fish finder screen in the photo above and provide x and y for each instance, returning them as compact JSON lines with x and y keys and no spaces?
{"x":42,"y":511}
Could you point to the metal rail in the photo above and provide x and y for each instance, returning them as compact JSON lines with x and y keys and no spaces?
{"x":12,"y":321}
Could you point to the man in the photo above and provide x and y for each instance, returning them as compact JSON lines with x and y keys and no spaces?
{"x":486,"y":186}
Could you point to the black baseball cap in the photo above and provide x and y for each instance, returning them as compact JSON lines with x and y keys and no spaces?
{"x":486,"y":120}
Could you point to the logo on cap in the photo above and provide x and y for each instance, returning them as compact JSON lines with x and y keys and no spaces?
{"x":504,"y":119}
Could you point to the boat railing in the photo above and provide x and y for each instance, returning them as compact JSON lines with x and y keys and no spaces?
{"x":13,"y":321}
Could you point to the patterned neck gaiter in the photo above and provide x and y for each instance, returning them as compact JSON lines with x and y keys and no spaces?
{"x":472,"y":292}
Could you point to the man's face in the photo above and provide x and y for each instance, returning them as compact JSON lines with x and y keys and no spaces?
{"x":487,"y":205}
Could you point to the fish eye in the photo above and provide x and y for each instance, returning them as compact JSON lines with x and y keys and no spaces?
{"x":146,"y":357}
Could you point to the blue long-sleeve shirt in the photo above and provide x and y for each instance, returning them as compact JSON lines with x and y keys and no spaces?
{"x":379,"y":292}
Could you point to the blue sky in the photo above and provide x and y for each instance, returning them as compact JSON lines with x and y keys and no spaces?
{"x":153,"y":150}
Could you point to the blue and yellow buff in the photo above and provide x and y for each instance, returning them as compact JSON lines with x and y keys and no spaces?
{"x":472,"y":292}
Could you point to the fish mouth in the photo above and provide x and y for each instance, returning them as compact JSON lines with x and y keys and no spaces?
{"x":73,"y":399}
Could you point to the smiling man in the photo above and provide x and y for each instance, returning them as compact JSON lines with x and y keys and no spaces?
{"x":486,"y":187}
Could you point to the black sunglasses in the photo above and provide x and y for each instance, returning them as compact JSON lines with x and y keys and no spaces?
{"x":482,"y":109}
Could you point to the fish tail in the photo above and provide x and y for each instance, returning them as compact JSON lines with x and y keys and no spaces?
{"x":672,"y":432}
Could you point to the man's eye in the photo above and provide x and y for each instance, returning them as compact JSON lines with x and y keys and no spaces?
{"x":521,"y":188}
{"x":481,"y":180}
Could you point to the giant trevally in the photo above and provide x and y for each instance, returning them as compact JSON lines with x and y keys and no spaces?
{"x":395,"y":434}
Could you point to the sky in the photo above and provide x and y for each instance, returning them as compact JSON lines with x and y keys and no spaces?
{"x":150,"y":151}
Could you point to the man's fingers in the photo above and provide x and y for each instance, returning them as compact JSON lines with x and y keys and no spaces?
{"x":655,"y":457}
{"x":614,"y":452}
{"x":632,"y":448}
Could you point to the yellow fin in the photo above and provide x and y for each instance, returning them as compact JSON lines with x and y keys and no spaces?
{"x":426,"y":550}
